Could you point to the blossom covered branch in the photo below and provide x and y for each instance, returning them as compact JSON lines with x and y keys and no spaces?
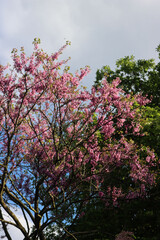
{"x":60,"y":141}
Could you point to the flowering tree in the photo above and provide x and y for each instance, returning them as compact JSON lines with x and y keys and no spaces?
{"x":51,"y":132}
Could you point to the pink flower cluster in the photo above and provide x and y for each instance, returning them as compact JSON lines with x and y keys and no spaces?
{"x":65,"y":133}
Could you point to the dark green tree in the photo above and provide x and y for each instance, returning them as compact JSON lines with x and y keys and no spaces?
{"x":139,"y":76}
{"x":142,"y":216}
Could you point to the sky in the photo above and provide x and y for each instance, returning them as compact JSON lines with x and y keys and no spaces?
{"x":100,"y":31}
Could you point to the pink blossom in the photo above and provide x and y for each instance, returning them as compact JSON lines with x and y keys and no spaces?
{"x":101,"y":194}
{"x":57,"y":137}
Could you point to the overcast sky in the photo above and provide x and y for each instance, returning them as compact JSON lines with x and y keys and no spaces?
{"x":101,"y":31}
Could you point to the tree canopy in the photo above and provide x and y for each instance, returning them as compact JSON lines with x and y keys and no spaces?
{"x":140,"y":215}
{"x":61,"y":143}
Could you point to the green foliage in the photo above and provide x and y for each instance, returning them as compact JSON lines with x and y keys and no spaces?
{"x":139,"y":216}
{"x":139,"y":76}
{"x":135,"y":75}
{"x":151,"y":124}
{"x":142,"y":217}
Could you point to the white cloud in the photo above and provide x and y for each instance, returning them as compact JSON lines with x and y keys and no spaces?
{"x":12,"y":15}
{"x":105,"y":29}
